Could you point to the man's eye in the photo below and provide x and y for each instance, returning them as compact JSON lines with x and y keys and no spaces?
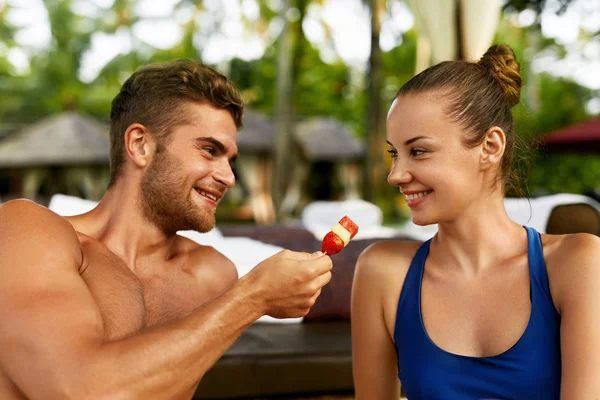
{"x":209,"y":150}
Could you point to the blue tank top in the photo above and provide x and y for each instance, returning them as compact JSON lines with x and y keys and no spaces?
{"x":531,"y":369}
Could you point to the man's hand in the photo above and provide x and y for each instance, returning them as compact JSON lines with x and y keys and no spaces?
{"x":288,"y":283}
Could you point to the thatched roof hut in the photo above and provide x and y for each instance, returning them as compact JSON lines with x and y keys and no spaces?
{"x":63,"y":139}
{"x":8,"y":129}
{"x":324,"y":150}
{"x":318,"y":138}
{"x":64,"y":153}
{"x":327,"y":139}
{"x":257,"y":135}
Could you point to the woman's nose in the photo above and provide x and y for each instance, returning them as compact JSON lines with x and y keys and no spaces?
{"x":399,"y":174}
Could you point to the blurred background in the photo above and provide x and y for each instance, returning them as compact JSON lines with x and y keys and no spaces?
{"x":317,"y":76}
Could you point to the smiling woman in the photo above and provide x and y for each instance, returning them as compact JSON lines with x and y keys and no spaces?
{"x":484,"y":309}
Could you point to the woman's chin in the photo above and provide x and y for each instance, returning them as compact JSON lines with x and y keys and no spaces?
{"x":422,"y":220}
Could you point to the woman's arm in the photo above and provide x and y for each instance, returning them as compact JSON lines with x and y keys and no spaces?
{"x":373,"y":353}
{"x":578,"y":300}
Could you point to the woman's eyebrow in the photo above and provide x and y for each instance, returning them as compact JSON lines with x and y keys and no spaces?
{"x":410,"y":141}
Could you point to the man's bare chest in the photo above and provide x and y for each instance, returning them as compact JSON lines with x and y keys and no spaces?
{"x":130,"y":303}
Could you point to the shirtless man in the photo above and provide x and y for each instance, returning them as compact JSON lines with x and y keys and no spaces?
{"x":113,"y":304}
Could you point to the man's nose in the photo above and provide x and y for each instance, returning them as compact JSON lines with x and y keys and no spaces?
{"x":224,"y":175}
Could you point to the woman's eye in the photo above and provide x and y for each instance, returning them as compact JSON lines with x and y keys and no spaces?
{"x":393,"y":153}
{"x":416,"y":152}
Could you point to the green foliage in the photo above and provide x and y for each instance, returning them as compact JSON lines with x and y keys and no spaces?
{"x":256,"y":80}
{"x":557,"y":94}
{"x":326,"y":89}
{"x":547,"y":103}
{"x":321,"y":88}
{"x":571,"y":173}
{"x":52,"y":84}
{"x":399,"y":66}
{"x":537,"y":5}
{"x":334,"y":89}
{"x":566,"y":173}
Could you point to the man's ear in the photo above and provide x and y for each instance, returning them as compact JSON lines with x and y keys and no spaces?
{"x":492,"y":148}
{"x":139,"y":144}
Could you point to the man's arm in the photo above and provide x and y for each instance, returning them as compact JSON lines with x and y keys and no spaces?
{"x":51,"y":337}
{"x":578,"y":300}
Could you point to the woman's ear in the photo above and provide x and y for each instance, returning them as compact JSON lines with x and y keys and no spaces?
{"x":139,"y":144}
{"x":493,"y":147}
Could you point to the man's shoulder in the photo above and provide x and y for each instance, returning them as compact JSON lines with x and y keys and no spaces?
{"x":202,"y":259}
{"x":26,"y":215}
{"x":30,"y":227}
{"x":20,"y":206}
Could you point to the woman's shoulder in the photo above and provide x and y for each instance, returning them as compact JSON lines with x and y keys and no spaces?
{"x":387,"y":252}
{"x":570,"y":248}
{"x":386,"y":259}
{"x":379,"y":277}
{"x":572,"y":261}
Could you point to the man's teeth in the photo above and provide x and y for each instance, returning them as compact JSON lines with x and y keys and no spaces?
{"x":414,"y":196}
{"x":210,"y":196}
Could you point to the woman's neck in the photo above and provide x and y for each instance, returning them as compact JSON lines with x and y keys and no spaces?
{"x":479,"y":237}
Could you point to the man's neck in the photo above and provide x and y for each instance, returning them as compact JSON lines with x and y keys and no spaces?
{"x":120,"y":224}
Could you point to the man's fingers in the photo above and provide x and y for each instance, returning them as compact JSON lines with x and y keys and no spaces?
{"x":324,"y":279}
{"x":317,"y":266}
{"x":316,"y":254}
{"x":325,"y":264}
{"x":300,"y":255}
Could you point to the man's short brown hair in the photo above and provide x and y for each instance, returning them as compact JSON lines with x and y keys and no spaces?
{"x":154,"y":96}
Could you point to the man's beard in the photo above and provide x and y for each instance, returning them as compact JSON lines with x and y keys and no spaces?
{"x":166,"y":200}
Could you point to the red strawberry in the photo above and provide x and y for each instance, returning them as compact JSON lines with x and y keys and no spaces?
{"x":349,"y":225}
{"x":332,"y":244}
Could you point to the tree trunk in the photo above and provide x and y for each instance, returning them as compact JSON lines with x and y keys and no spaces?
{"x":461,"y":53}
{"x":532,"y":94}
{"x":287,"y":69}
{"x":374,"y":172}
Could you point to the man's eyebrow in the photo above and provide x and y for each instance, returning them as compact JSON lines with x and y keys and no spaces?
{"x":410,"y":141}
{"x":220,"y":146}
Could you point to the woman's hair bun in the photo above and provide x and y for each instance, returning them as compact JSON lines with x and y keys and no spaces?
{"x":500,"y":62}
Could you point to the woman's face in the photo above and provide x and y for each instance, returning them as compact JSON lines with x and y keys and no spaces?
{"x":437,"y":173}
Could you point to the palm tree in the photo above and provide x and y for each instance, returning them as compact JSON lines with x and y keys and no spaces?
{"x":374,"y":171}
{"x":288,"y":58}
